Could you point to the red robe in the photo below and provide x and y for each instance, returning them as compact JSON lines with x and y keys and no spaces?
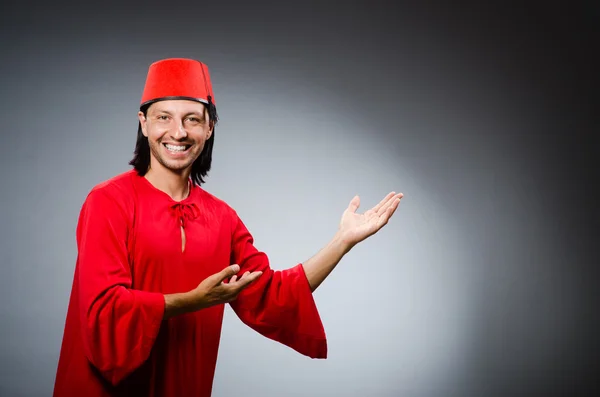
{"x":116,"y":342}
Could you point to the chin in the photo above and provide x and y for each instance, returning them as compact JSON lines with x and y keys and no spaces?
{"x":177,"y":166}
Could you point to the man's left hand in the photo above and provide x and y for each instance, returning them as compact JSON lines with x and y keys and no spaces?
{"x":355,"y":227}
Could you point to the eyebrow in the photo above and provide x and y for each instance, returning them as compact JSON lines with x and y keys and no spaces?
{"x":195,"y":113}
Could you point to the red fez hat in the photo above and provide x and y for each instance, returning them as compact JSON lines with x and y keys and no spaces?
{"x":177,"y":78}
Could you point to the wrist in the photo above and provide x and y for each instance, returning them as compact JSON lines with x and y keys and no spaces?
{"x":342,"y":243}
{"x":176,"y":304}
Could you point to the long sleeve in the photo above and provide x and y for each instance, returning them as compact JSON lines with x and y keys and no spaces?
{"x":118,"y":324}
{"x":280,"y":304}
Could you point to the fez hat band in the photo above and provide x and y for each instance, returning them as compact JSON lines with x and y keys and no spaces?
{"x":177,"y":78}
{"x":172,"y":98}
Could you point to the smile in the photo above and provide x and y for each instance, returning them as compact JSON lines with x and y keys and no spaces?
{"x":176,"y":148}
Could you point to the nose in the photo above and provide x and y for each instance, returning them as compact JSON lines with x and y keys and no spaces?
{"x":180,"y":131}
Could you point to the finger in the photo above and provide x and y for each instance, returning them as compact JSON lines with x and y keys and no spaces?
{"x":391,"y":201}
{"x":233,"y":278}
{"x":385,"y":217}
{"x":354,"y":204}
{"x":226,"y":273}
{"x":382,"y":202}
{"x":240,"y":280}
{"x":241,"y":285}
{"x":247,"y":280}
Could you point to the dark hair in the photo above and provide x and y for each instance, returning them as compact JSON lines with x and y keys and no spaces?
{"x":200,"y":167}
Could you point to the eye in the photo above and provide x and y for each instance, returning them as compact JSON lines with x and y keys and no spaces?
{"x":163,"y":117}
{"x":194,"y":120}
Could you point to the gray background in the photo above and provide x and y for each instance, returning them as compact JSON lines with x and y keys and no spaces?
{"x":483,"y":282}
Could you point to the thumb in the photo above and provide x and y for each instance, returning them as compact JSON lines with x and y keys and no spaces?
{"x":354,"y":204}
{"x":226,"y":273}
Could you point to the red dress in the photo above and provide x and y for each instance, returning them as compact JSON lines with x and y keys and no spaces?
{"x":130,"y":253}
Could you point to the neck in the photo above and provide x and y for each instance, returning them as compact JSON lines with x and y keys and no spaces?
{"x":175,"y":184}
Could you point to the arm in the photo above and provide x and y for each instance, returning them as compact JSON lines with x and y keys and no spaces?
{"x":353,"y":229}
{"x":322,"y":264}
{"x":279,"y":304}
{"x":118,"y":324}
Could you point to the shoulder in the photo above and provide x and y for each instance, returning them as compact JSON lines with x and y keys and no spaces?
{"x":121,"y":184}
{"x":114,"y":193}
{"x":212,"y":201}
{"x":216,"y":205}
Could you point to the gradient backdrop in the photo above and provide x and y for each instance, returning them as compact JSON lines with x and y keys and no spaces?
{"x":484,"y":281}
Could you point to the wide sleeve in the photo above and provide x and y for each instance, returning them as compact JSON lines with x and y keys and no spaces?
{"x":280,"y":304}
{"x":118,"y":324}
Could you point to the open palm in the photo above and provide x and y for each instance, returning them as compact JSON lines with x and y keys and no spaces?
{"x":355,"y":227}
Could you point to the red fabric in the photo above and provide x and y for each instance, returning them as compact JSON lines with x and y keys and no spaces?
{"x":116,"y":342}
{"x":178,"y":77}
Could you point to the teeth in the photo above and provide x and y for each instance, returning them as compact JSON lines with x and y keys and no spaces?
{"x":175,"y":148}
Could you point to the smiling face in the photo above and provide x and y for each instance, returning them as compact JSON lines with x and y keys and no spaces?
{"x":176,"y":132}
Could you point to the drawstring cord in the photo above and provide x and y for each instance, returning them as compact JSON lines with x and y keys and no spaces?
{"x":185,"y":212}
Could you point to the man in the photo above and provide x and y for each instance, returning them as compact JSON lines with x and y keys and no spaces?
{"x":158,"y":257}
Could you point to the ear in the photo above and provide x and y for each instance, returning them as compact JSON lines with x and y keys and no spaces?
{"x":142,"y":119}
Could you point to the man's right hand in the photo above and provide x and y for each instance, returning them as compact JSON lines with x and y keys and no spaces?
{"x":214,"y":290}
